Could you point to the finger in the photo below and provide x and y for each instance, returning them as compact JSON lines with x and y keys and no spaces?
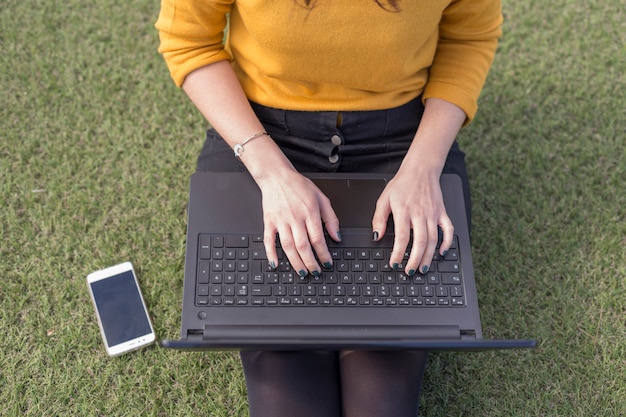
{"x":331,"y":222}
{"x":330,"y":219}
{"x":420,"y":241}
{"x":430,"y":247}
{"x":318,"y":243}
{"x":269,"y":241}
{"x":448,"y":234}
{"x":380,"y":218}
{"x":402,"y":230}
{"x":299,"y":251}
{"x":293,"y":246}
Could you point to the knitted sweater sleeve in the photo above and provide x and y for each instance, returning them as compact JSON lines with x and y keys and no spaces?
{"x":192,"y":34}
{"x":468,"y":37}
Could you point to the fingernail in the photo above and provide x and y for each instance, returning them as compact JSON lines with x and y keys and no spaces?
{"x":444,"y":253}
{"x":375,"y":236}
{"x":328,"y":265}
{"x":272,"y":265}
{"x":411,"y":272}
{"x":338,"y":235}
{"x":302,"y":273}
{"x":396,"y":266}
{"x":424,"y":269}
{"x":315,"y":273}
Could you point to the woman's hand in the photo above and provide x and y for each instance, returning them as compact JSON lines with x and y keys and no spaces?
{"x":416,"y":202}
{"x":296,"y":210}
{"x":293,"y":207}
{"x":414,"y":195}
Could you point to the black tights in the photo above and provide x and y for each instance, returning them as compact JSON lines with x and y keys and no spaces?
{"x":325,"y":384}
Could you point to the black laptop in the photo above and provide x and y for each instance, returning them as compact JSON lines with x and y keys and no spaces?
{"x":232,"y":299}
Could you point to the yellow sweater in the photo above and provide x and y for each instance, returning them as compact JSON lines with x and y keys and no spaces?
{"x":339,"y":54}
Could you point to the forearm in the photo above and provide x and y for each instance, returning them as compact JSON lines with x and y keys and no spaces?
{"x":217,"y":93}
{"x":437,"y":131}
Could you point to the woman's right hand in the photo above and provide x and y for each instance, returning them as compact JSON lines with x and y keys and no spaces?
{"x":295,"y":210}
{"x":293,"y":207}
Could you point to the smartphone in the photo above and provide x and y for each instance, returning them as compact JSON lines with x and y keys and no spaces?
{"x":121,"y":311}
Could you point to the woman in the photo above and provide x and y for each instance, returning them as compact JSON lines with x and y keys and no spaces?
{"x":335,"y":85}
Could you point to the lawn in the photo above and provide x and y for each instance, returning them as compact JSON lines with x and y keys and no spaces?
{"x":97,"y":146}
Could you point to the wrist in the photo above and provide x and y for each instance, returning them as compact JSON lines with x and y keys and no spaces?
{"x":264,"y":159}
{"x":424,"y":161}
{"x":239,"y":148}
{"x":421,"y":171}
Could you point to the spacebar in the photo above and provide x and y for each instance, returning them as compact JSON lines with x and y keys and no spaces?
{"x":330,"y":332}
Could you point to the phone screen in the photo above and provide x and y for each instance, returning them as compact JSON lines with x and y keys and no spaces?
{"x":120,"y":307}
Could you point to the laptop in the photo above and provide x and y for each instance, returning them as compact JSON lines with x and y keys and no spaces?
{"x":232,"y":300}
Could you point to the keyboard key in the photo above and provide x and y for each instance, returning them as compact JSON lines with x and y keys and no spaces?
{"x":204,"y":269}
{"x":448,"y":266}
{"x":259,"y":254}
{"x":450,"y":279}
{"x":203,"y":290}
{"x":378,"y":254}
{"x":419,"y":279}
{"x":456,"y":291}
{"x":261,"y":290}
{"x":432,"y":279}
{"x":232,"y":241}
{"x":204,"y":247}
{"x":451,"y":255}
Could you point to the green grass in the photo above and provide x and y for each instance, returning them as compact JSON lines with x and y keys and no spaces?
{"x":97,"y":146}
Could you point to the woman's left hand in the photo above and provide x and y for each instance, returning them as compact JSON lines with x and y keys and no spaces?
{"x":416,"y":202}
{"x":414,"y":195}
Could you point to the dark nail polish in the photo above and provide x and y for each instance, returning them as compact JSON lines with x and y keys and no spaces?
{"x":424,"y":269}
{"x":328,"y":265}
{"x":302,"y":273}
{"x":411,"y":272}
{"x":338,"y":235}
{"x":396,"y":266}
{"x":316,"y":273}
{"x":375,"y":236}
{"x":273,"y":265}
{"x":444,"y":253}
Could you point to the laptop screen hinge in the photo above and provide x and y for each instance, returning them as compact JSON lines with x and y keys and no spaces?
{"x":468,"y":334}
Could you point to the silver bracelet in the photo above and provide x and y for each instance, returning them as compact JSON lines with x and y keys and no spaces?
{"x":238,"y":149}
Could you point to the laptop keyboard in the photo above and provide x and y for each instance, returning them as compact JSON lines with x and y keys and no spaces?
{"x":233,"y":270}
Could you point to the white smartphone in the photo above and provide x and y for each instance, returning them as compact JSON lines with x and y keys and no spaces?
{"x":121,"y":311}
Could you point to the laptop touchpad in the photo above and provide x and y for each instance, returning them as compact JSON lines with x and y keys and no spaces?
{"x":354,"y":200}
